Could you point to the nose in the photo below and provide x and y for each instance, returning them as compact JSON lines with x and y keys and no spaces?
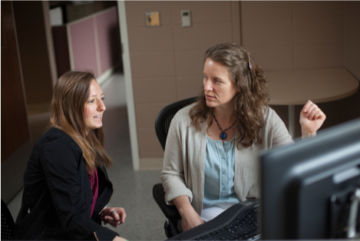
{"x":207,"y":85}
{"x":101,"y":106}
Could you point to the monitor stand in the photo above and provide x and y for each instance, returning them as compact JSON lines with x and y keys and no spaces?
{"x":344,"y":214}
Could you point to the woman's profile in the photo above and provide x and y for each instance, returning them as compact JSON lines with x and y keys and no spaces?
{"x":66,"y":186}
{"x":210,"y":160}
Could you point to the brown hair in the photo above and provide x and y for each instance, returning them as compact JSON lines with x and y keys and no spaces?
{"x":250,"y":102}
{"x":70,"y":94}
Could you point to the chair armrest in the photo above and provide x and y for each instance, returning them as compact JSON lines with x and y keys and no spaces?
{"x":170,"y":212}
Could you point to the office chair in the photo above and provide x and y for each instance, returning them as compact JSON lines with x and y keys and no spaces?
{"x":7,"y":223}
{"x":163,"y":119}
{"x":226,"y":225}
{"x":162,"y":124}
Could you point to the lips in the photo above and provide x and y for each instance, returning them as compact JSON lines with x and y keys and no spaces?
{"x":210,"y":97}
{"x":98,"y":116}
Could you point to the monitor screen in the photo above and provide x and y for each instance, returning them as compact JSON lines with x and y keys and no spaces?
{"x":311,"y":189}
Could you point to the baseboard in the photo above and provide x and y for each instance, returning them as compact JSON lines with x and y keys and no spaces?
{"x":151,"y":163}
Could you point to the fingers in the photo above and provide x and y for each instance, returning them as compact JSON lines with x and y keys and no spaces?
{"x":307,"y":105}
{"x":312,"y":111}
{"x":119,"y":212}
{"x":112,"y":222}
{"x":115,"y":216}
{"x":122,"y":214}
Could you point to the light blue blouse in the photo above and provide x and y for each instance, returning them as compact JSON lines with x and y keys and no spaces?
{"x":219,"y":172}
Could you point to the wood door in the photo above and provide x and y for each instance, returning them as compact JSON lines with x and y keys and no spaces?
{"x":15,"y":135}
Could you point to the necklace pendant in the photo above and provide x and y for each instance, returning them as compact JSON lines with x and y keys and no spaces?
{"x":223,"y":135}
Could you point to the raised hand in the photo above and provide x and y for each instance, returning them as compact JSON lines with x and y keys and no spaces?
{"x":311,"y":119}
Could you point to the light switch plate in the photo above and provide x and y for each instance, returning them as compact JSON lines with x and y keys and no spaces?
{"x":185,"y":18}
{"x":152,"y":19}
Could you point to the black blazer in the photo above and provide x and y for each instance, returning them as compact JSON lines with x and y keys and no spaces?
{"x":56,"y":202}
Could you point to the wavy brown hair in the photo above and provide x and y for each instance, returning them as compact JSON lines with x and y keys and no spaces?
{"x":250,"y":102}
{"x":70,"y":94}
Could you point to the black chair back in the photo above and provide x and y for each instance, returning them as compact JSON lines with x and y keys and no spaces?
{"x":163,"y":119}
{"x":7,"y":223}
{"x":162,"y":124}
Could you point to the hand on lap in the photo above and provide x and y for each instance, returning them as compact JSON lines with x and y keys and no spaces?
{"x":114,"y":216}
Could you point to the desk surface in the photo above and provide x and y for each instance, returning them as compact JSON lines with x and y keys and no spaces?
{"x":295,"y":87}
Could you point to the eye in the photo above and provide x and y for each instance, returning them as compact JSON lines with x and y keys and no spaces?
{"x":217,"y":81}
{"x":91,"y":101}
{"x":102,"y":98}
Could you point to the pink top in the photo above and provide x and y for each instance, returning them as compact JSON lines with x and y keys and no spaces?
{"x":94,"y":181}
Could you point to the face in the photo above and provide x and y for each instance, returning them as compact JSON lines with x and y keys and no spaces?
{"x":218,"y":87}
{"x":94,"y":107}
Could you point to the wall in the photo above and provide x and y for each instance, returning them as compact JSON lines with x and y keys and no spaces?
{"x":167,"y":61}
{"x":293,"y":35}
{"x":61,"y":48}
{"x":347,"y":109}
{"x":352,"y":37}
{"x":78,"y":11}
{"x":305,"y":35}
{"x":91,"y":43}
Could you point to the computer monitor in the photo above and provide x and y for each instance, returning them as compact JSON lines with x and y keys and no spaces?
{"x":308,"y":188}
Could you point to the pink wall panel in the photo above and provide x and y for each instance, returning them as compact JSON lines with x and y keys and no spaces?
{"x":107,"y":26}
{"x":83,"y":46}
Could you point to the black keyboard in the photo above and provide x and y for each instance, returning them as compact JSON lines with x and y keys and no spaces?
{"x":239,"y":222}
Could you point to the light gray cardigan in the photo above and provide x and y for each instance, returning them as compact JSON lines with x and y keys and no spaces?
{"x":184,"y":160}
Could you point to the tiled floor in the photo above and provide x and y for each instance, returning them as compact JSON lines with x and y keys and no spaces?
{"x":132,"y":189}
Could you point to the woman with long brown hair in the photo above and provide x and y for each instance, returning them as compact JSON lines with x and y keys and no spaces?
{"x":66,"y":186}
{"x":210,"y":160}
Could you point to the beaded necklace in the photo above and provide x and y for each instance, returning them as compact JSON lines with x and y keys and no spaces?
{"x":223,"y":134}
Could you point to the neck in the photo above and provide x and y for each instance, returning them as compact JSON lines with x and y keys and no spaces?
{"x":225,"y":113}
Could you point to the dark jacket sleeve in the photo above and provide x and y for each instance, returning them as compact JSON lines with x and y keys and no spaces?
{"x":60,"y":161}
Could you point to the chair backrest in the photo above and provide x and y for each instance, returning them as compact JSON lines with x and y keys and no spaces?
{"x":7,"y":223}
{"x":163,"y":119}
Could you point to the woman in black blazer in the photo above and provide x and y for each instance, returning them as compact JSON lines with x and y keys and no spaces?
{"x":66,"y":186}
